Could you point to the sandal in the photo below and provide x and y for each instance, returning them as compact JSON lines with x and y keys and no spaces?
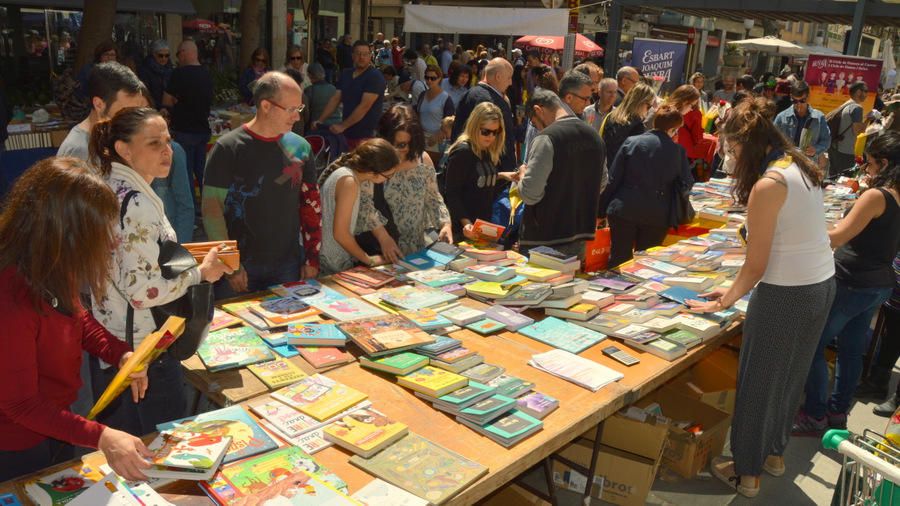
{"x":723,"y":469}
{"x":774,"y":465}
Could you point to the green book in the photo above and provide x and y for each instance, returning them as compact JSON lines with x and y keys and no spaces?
{"x":484,"y":411}
{"x":400,"y":364}
{"x":509,"y":429}
{"x":463,"y":398}
{"x":682,"y":337}
{"x":510,"y":386}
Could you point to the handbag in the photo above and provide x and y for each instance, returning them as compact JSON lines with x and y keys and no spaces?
{"x":195,"y":306}
{"x":684,"y":210}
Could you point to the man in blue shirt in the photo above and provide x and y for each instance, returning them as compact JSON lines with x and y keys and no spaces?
{"x":361,"y":92}
{"x":793,"y":120}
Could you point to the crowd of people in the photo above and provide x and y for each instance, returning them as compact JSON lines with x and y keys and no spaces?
{"x":412,"y":164}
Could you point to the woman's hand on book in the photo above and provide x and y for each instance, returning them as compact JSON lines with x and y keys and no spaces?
{"x":212,"y":269}
{"x":446,"y":233}
{"x":713,"y":303}
{"x":139,"y":381}
{"x":124,"y":453}
{"x":389,"y":249}
{"x":469,"y":231}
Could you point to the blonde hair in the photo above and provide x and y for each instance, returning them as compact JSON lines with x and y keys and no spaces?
{"x":637,"y":96}
{"x":683,"y":95}
{"x":484,"y":113}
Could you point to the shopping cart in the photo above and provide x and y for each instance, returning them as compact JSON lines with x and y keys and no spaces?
{"x":870,"y":471}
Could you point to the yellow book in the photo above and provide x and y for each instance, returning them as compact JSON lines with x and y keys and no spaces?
{"x":319,"y":396}
{"x":151,"y":347}
{"x":432,"y":381}
{"x":365,"y":431}
{"x":490,"y":289}
{"x":277,"y":373}
{"x":537,"y":273}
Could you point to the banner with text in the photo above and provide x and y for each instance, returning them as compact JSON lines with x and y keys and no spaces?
{"x":829,"y":79}
{"x":660,"y":59}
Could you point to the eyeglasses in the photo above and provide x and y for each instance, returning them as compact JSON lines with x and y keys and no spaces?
{"x":586,"y":99}
{"x":162,"y":55}
{"x":289,"y":110}
{"x":386,"y":176}
{"x":486,"y":132}
{"x":293,"y":58}
{"x":401,"y":145}
{"x":431,"y":78}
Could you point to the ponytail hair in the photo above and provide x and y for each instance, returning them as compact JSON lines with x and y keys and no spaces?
{"x":373,"y":156}
{"x":122,"y":127}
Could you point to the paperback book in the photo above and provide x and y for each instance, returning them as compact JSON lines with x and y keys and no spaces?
{"x":319,"y":396}
{"x":232,"y":348}
{"x":416,"y":297}
{"x":247,"y":438}
{"x":563,"y":335}
{"x":399,"y":364}
{"x":61,"y":487}
{"x":460,"y":365}
{"x":510,"y":386}
{"x":314,"y":334}
{"x":486,"y":410}
{"x":509,"y":429}
{"x":345,"y":309}
{"x":537,"y":404}
{"x":426,"y":319}
{"x":365,"y":432}
{"x":325,"y":357}
{"x":486,"y":326}
{"x":483,"y":373}
{"x":277,"y":373}
{"x":512,"y":319}
{"x":436,"y":278}
{"x":432,"y":381}
{"x":293,"y":423}
{"x":385,"y":334}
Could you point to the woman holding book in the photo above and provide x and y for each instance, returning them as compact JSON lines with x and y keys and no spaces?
{"x":56,"y":236}
{"x":866,"y":242}
{"x":649,"y":173}
{"x":472,"y":169}
{"x":788,"y":255}
{"x":627,"y":119}
{"x":409,"y":204}
{"x":133,"y":149}
{"x":374,"y":161}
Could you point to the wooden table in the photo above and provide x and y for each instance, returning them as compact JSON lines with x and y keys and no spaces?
{"x":579,"y":408}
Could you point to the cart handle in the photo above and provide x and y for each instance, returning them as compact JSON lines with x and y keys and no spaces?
{"x":834,"y":437}
{"x":838,"y":440}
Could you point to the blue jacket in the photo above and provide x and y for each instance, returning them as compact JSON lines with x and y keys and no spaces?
{"x":177,"y":193}
{"x":786,"y":121}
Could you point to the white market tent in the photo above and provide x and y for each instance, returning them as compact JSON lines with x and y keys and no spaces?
{"x":484,"y":20}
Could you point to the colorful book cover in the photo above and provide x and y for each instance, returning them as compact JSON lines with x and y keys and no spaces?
{"x":61,"y":487}
{"x":282,"y":310}
{"x":321,"y":357}
{"x":287,"y":476}
{"x":398,"y":362}
{"x":384,"y":334}
{"x":285,"y":418}
{"x":486,"y":326}
{"x":513,"y":320}
{"x":416,"y":297}
{"x":537,"y":404}
{"x":562,"y":335}
{"x":346,"y":309}
{"x":486,"y":231}
{"x":423,"y":468}
{"x":437,"y":278}
{"x":456,"y":354}
{"x":375,"y":300}
{"x":247,"y":438}
{"x":277,"y":373}
{"x":611,"y":281}
{"x":285,"y":350}
{"x":319,"y":397}
{"x":306,"y":290}
{"x":222,"y":320}
{"x":366,"y":276}
{"x":426,"y":319}
{"x":233,"y":348}
{"x":314,"y":334}
{"x":189,"y":447}
{"x":364,"y":431}
{"x":432,"y":381}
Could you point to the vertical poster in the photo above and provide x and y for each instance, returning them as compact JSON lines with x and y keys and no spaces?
{"x":829,"y":79}
{"x":660,"y":58}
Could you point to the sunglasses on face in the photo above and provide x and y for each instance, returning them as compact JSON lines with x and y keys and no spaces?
{"x":486,"y":132}
{"x":431,"y":78}
{"x":295,"y":58}
{"x":162,"y":55}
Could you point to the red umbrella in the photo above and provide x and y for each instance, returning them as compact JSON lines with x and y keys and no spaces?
{"x":200,"y":25}
{"x":584,"y":47}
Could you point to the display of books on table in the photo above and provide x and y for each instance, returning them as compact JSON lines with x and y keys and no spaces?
{"x":581,"y":371}
{"x":277,"y":373}
{"x":232,"y":348}
{"x":365,"y":432}
{"x":508,"y":429}
{"x":385,"y":334}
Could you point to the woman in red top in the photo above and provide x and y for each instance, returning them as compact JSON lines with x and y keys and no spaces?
{"x":56,"y":236}
{"x":686,"y":100}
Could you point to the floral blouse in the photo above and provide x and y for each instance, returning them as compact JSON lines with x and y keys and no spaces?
{"x":415,"y":202}
{"x":135,"y":277}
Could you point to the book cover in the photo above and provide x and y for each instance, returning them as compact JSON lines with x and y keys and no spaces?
{"x":366,"y":276}
{"x":186,"y":453}
{"x":580,"y":311}
{"x":233,"y":348}
{"x":385,"y":334}
{"x":510,"y":429}
{"x":680,"y":295}
{"x":314,"y":334}
{"x":456,"y":354}
{"x":293,"y":423}
{"x":426,"y":319}
{"x":563,"y":335}
{"x":432,"y":381}
{"x":537,"y":273}
{"x":611,"y":281}
{"x":488,"y":409}
{"x":484,"y":373}
{"x":247,"y":438}
{"x":467,"y":395}
{"x":306,"y":290}
{"x":486,"y":326}
{"x":319,"y":397}
{"x":277,"y":373}
{"x":365,"y":431}
{"x":462,"y":315}
{"x":437,"y":278}
{"x":381,"y":493}
{"x":492,"y":289}
{"x":440,"y":345}
{"x":416,"y":297}
{"x":401,"y":363}
{"x":682,"y":337}
{"x":113,"y":491}
{"x":347,"y":309}
{"x":283,"y":310}
{"x":487,"y":232}
{"x":537,"y":404}
{"x":423,"y":468}
{"x":528,"y":295}
{"x":284,"y":350}
{"x":61,"y":487}
{"x":658,"y":265}
{"x":285,"y":476}
{"x":510,"y":386}
{"x":490,"y":272}
{"x":512,"y":319}
{"x":460,"y":365}
{"x":375,"y":300}
{"x":322,"y":357}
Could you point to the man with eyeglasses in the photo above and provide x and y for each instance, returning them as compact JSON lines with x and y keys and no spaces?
{"x":261,"y":191}
{"x":361,"y":94}
{"x":156,"y":71}
{"x":189,"y":95}
{"x":626,"y":78}
{"x":802,"y":117}
{"x":575,"y":92}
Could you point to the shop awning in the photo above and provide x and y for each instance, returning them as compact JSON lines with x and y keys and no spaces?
{"x":185,"y":7}
{"x":484,"y":20}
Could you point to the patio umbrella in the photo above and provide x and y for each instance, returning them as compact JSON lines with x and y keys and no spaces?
{"x":200,"y":25}
{"x":818,"y":50}
{"x":584,"y":47}
{"x":769,"y":44}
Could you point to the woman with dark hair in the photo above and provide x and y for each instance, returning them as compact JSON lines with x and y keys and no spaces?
{"x":295,"y":64}
{"x":433,"y":106}
{"x":686,"y":100}
{"x":133,"y":149}
{"x":790,"y":263}
{"x":259,"y":65}
{"x":56,"y":236}
{"x":373,"y":161}
{"x":649,"y":173}
{"x":866,"y":242}
{"x":409,"y":203}
{"x":105,"y":51}
{"x":627,"y":119}
{"x":456,"y":84}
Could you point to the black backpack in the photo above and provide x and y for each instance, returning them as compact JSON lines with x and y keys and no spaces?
{"x":834,"y":123}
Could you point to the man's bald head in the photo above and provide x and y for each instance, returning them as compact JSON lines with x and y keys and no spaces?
{"x":627,"y":77}
{"x":277,"y":97}
{"x":272,"y":85}
{"x":498,"y":73}
{"x":187,"y":53}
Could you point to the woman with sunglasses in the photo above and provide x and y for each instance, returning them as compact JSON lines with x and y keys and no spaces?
{"x":409,"y":205}
{"x":294,"y":63}
{"x":472,"y":169}
{"x":433,"y":106}
{"x":259,"y":65}
{"x":867,"y":240}
{"x":156,"y":71}
{"x":374,"y":161}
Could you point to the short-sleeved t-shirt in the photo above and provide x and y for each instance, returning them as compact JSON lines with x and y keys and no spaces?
{"x":193,"y":87}
{"x":262,"y":177}
{"x":851,"y":114}
{"x":352,"y":90}
{"x":75,"y":144}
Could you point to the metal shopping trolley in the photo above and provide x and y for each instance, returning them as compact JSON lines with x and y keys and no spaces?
{"x":871,"y":472}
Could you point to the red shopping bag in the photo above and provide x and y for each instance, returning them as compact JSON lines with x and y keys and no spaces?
{"x":596,"y":252}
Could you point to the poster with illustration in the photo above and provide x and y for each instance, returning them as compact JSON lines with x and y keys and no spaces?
{"x":829,"y":79}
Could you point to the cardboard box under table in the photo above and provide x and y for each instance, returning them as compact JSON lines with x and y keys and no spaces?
{"x":712,"y":380}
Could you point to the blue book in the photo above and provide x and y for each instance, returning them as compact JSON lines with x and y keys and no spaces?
{"x":247,"y":437}
{"x":315,"y":334}
{"x":563,"y":335}
{"x":427,"y":258}
{"x":680,"y":294}
{"x":440,"y":345}
{"x":285,"y":350}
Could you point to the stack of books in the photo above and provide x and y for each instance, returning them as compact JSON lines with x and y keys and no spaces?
{"x":385,"y":335}
{"x":363,"y":280}
{"x":319,"y":344}
{"x":547,"y":257}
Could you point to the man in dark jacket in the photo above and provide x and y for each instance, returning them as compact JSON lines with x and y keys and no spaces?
{"x":560,"y":183}
{"x":497,"y":78}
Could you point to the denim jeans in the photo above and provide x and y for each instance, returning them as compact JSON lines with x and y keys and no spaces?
{"x":849,"y":320}
{"x":261,"y":276}
{"x":164,"y":401}
{"x":15,"y":463}
{"x":194,"y":145}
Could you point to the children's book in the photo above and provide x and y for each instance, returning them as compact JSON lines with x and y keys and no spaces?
{"x":61,"y":487}
{"x":399,"y":364}
{"x":247,"y":438}
{"x":432,"y":381}
{"x":277,"y":373}
{"x":293,"y":423}
{"x":416,"y":297}
{"x":322,"y":357}
{"x":314,"y":334}
{"x":188,"y":452}
{"x":310,"y":442}
{"x":381,"y":493}
{"x":423,"y":468}
{"x":385,"y":334}
{"x":345,"y":309}
{"x":114,"y":491}
{"x":319,"y":396}
{"x":426,"y":319}
{"x":282,"y":310}
{"x":365,"y":432}
{"x":562,"y":335}
{"x":233,"y":348}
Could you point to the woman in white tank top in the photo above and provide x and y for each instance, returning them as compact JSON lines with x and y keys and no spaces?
{"x":790,"y":264}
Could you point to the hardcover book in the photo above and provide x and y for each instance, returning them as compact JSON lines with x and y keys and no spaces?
{"x":61,"y":487}
{"x":186,"y":454}
{"x":385,"y":334}
{"x":247,"y":438}
{"x":365,"y":432}
{"x":319,"y":397}
{"x":277,"y":373}
{"x":232,"y":348}
{"x":432,"y":381}
{"x":563,"y":335}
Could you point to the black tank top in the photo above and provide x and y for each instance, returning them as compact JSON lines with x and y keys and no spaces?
{"x":865,"y":261}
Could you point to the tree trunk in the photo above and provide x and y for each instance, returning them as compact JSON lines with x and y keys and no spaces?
{"x":99,"y":19}
{"x":249,"y":21}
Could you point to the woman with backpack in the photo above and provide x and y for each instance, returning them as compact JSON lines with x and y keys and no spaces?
{"x":433,"y":106}
{"x":133,"y":149}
